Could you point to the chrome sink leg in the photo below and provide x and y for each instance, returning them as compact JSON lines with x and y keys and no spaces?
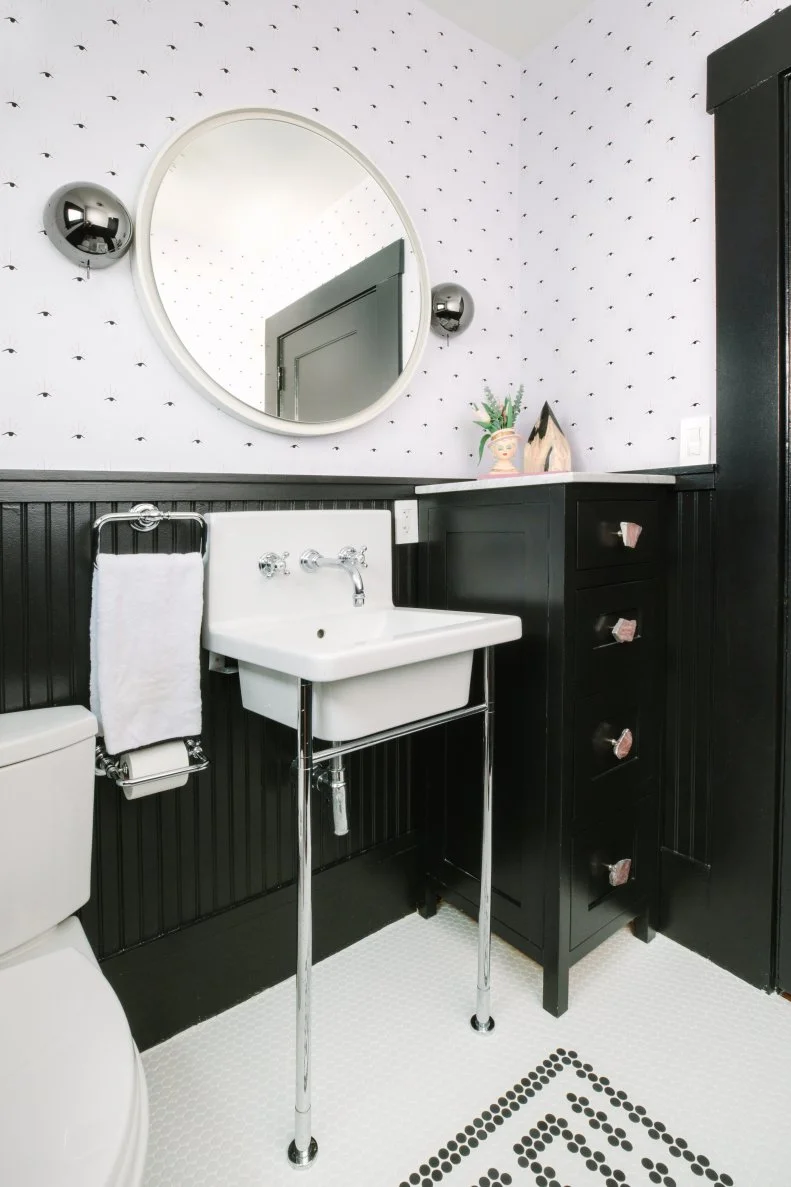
{"x":482,"y":1020}
{"x":303,"y":1149}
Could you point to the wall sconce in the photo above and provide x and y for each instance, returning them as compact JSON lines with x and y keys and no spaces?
{"x":452,"y":309}
{"x":88,"y":224}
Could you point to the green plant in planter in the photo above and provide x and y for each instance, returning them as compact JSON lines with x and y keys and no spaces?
{"x":493,"y":414}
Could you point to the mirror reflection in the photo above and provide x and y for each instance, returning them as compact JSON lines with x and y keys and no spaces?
{"x":285,"y":269}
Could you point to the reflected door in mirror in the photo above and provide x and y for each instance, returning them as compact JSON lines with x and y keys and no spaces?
{"x":328,"y":351}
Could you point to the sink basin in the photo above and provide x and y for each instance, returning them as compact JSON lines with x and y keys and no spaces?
{"x":372,"y":667}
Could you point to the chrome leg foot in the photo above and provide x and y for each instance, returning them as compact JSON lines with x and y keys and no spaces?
{"x":483,"y":1028}
{"x":300,"y":1159}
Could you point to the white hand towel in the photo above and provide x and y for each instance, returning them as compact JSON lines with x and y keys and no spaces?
{"x":145,"y":648}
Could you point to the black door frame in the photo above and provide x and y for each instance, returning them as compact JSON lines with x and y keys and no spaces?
{"x":747,"y":93}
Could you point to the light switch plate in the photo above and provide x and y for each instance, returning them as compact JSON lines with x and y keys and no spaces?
{"x":405,"y":517}
{"x":695,"y":441}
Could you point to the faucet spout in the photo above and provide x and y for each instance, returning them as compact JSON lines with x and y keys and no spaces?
{"x":349,"y":559}
{"x":357,"y":582}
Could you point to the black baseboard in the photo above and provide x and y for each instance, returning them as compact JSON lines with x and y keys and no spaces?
{"x":195,"y":972}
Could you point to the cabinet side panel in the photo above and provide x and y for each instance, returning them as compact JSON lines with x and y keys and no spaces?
{"x":495,"y":558}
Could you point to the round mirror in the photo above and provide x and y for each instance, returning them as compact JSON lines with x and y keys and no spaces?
{"x":281,"y":272}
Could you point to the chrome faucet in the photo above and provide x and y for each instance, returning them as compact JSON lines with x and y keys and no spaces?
{"x":350,"y":559}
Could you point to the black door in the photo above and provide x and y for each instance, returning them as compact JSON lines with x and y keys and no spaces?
{"x":743,"y":916}
{"x":338,"y":349}
{"x":338,"y":363}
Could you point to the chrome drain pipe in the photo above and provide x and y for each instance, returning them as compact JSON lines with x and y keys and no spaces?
{"x":334,"y":778}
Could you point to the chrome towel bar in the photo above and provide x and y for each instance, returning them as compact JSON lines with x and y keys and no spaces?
{"x":144,"y":517}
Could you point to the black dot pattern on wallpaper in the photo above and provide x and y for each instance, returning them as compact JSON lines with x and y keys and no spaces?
{"x":94,"y":92}
{"x":617,"y":224}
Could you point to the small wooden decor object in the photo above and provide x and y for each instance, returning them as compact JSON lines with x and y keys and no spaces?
{"x":547,"y":450}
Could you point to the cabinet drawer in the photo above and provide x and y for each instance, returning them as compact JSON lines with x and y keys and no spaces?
{"x":629,"y":836}
{"x":600,"y":541}
{"x":629,"y":608}
{"x":602,"y":780}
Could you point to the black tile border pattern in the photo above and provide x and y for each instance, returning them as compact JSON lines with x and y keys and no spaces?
{"x":530,"y":1147}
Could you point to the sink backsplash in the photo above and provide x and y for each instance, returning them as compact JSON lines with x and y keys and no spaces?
{"x":236,"y":589}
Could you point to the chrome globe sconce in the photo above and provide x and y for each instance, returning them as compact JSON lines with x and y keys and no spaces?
{"x":452,"y":309}
{"x":88,"y":224}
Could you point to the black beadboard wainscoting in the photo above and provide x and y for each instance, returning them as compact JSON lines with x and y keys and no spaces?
{"x":192,"y":905}
{"x":193,"y":901}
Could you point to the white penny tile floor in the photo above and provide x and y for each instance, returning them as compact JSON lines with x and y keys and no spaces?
{"x":665,"y":1070}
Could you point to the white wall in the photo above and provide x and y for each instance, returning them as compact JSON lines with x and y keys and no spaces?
{"x":617,"y":242}
{"x":93,"y":91}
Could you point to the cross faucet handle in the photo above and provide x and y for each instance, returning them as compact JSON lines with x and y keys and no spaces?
{"x":272,"y":564}
{"x":354,"y":556}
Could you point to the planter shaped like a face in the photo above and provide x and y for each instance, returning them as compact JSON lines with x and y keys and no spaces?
{"x":503,"y":444}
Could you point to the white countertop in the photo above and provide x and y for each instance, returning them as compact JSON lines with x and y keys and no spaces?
{"x":575,"y":476}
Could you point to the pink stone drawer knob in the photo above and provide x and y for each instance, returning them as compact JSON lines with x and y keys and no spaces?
{"x":625,"y":630}
{"x":630,"y":534}
{"x":620,"y":871}
{"x":622,"y":744}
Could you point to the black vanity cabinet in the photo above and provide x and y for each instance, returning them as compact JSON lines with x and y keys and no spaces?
{"x":579,"y":715}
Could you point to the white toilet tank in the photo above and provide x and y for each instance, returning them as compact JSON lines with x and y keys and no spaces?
{"x":46,"y":819}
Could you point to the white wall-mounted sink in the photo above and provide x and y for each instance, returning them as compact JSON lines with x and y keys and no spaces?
{"x":373,"y":667}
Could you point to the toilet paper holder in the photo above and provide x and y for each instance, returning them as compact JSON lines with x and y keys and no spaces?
{"x":115,"y":768}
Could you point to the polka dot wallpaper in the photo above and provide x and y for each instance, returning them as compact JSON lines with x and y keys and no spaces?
{"x":93,"y":90}
{"x":617,"y":224}
{"x":572,"y":196}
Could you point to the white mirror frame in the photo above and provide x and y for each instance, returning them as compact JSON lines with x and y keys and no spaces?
{"x":145,"y":283}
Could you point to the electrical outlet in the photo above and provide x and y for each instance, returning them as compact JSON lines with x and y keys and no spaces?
{"x":695,"y":441}
{"x":405,"y":515}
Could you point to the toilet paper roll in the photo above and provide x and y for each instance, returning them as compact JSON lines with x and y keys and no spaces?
{"x":155,"y":760}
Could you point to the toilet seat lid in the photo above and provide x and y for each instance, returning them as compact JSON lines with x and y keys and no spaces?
{"x":68,"y":1074}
